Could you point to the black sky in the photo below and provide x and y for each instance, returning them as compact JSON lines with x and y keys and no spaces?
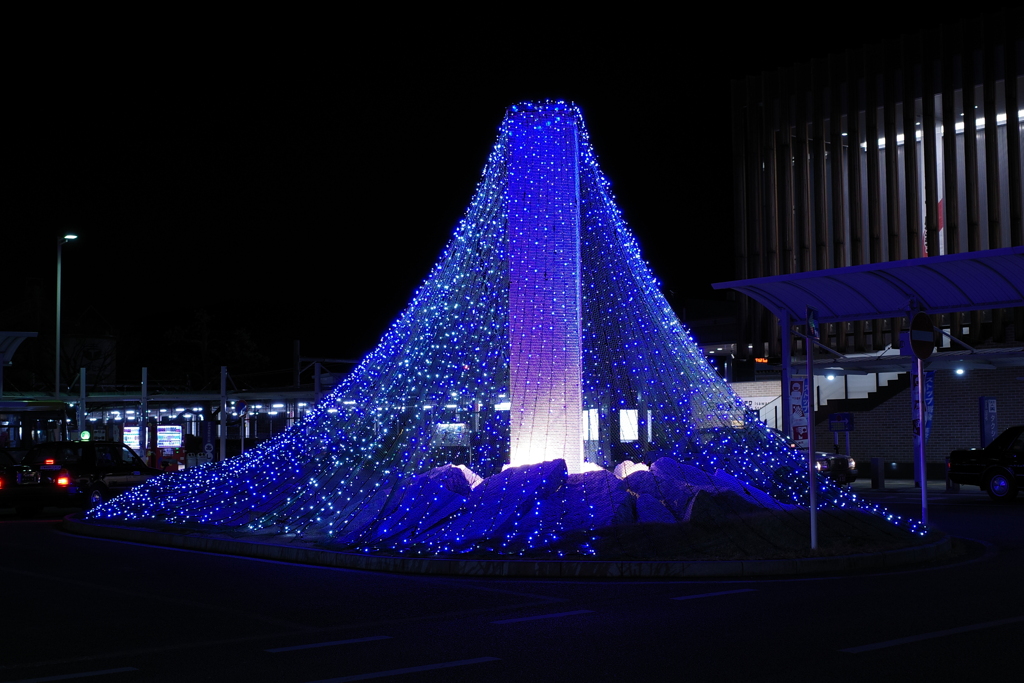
{"x":299,"y":180}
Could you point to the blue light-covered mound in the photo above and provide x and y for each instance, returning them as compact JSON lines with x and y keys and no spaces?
{"x":406,"y":455}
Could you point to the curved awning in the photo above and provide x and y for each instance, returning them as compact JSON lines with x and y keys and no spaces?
{"x":972,"y":281}
{"x":9,"y":342}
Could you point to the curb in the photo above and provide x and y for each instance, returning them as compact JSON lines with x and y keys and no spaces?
{"x":810,"y":566}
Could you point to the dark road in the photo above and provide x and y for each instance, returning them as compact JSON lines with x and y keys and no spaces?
{"x":76,"y":607}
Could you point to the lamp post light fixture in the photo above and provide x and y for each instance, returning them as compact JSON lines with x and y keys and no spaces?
{"x":56,"y":375}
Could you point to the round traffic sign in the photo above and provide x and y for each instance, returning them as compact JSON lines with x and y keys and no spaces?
{"x":922,"y":338}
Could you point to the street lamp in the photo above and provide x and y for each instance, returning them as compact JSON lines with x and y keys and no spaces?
{"x":56,"y":376}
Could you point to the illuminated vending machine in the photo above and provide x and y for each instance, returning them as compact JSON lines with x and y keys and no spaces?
{"x":169,"y":444}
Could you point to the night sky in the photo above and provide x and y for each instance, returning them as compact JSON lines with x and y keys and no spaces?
{"x":299,"y":180}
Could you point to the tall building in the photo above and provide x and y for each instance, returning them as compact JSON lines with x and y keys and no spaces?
{"x":895,"y":151}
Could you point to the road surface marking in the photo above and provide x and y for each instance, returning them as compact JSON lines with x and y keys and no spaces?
{"x":84,"y":674}
{"x":711,"y":595}
{"x":327,"y":644}
{"x":544,"y":616}
{"x":933,"y":634}
{"x":409,"y":670}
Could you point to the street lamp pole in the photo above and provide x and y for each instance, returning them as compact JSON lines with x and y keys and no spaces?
{"x":56,"y":375}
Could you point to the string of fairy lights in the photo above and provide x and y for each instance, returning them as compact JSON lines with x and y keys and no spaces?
{"x":368,"y":470}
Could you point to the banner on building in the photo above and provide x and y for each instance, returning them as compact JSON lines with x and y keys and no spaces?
{"x":929,"y":403}
{"x":798,"y":405}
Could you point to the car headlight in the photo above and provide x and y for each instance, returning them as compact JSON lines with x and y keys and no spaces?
{"x":853,"y":464}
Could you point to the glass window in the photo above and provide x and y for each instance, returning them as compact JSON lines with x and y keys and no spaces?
{"x":591,"y":431}
{"x":61,"y":455}
{"x":128,"y":457}
{"x":106,"y":456}
{"x":629,"y":427}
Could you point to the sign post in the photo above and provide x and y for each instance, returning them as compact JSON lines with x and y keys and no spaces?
{"x":841,"y":422}
{"x":987,"y":412}
{"x":812,"y":336}
{"x":922,"y":341}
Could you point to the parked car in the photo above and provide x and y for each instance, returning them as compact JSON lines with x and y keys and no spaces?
{"x":10,"y":477}
{"x":838,"y":467}
{"x":6,"y":459}
{"x":997,"y":468}
{"x":71,"y":474}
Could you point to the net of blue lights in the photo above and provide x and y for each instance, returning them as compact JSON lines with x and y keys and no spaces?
{"x":409,"y":454}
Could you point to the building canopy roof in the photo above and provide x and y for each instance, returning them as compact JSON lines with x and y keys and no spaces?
{"x":9,"y":342}
{"x":971,"y":281}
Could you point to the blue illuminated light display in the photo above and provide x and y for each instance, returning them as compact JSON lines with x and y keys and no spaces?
{"x":540,"y":328}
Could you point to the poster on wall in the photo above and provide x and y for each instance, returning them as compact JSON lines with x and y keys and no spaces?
{"x":929,"y":403}
{"x":798,"y":405}
{"x":989,"y":415}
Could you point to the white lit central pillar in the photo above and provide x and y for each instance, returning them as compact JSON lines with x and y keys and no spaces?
{"x":544,"y":288}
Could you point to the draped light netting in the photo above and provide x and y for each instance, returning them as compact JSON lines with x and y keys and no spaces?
{"x":410,"y":452}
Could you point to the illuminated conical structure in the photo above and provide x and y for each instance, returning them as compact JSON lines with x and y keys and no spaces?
{"x":540,"y":339}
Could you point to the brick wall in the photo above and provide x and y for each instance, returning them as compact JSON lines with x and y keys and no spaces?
{"x":886,"y":431}
{"x":770,"y":387}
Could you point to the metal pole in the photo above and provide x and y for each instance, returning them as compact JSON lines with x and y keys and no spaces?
{"x":143,"y":421}
{"x":56,"y":372}
{"x":787,"y":360}
{"x":81,"y":402}
{"x":920,"y":442}
{"x":317,"y":391}
{"x":812,"y":476}
{"x":223,"y":413}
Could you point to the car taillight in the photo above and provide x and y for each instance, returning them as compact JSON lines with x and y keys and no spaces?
{"x":63,"y":478}
{"x":48,"y":461}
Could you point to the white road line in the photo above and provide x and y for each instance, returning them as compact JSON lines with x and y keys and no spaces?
{"x":84,"y":674}
{"x":933,"y":634}
{"x":544,"y":616}
{"x":409,"y":670}
{"x":711,"y":595}
{"x":328,"y":644}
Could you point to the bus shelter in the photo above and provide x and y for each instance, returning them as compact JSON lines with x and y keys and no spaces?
{"x":972,"y":281}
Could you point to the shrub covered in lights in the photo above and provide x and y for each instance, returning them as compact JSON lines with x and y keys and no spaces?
{"x":537,"y":388}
